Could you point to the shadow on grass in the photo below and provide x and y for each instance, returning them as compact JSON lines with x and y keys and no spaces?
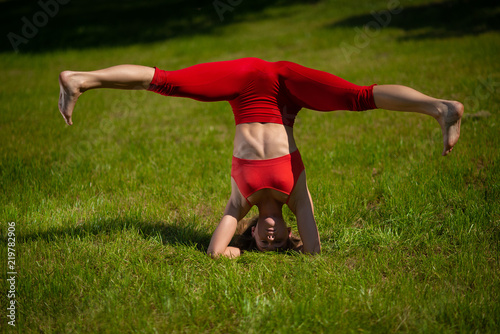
{"x":45,"y":25}
{"x":452,"y":18}
{"x":172,"y":233}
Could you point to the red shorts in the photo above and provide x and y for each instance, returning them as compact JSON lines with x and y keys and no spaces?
{"x":280,"y":174}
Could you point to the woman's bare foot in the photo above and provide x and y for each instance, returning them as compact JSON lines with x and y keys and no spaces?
{"x":449,"y":119}
{"x":69,"y":92}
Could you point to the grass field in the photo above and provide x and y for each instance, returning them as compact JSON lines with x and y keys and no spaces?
{"x":113,"y":215}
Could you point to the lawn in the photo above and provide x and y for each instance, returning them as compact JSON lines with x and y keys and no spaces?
{"x":113,"y":215}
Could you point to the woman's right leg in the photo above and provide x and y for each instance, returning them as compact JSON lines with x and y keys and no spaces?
{"x":73,"y":84}
{"x":216,"y":81}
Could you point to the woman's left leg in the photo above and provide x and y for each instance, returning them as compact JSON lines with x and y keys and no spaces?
{"x":402,"y":98}
{"x":322,"y":91}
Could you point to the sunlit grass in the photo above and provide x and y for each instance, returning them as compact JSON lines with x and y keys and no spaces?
{"x":114,"y":214}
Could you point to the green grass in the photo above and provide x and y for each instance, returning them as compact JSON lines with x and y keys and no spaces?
{"x":114,"y":214}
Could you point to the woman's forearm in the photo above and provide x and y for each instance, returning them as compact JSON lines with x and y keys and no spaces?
{"x":229,"y":252}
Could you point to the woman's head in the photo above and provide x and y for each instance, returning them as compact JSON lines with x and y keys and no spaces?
{"x":270,"y":233}
{"x":266,"y":234}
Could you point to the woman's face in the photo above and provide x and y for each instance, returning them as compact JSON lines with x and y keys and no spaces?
{"x":271,"y":233}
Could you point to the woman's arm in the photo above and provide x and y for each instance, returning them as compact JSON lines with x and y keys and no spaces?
{"x":236,"y":209}
{"x":222,"y":237}
{"x":300,"y":203}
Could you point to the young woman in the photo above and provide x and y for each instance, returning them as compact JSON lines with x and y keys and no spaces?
{"x":267,"y":170}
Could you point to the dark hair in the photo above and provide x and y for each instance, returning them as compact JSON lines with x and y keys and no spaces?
{"x":245,"y":242}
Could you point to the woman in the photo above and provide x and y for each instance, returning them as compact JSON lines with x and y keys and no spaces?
{"x":267,"y":170}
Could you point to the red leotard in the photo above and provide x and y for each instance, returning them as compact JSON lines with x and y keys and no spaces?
{"x":266,"y":92}
{"x":261,"y":91}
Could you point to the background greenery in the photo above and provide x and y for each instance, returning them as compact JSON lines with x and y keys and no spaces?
{"x":114,"y":214}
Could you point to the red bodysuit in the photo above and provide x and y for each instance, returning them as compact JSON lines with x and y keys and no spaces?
{"x":266,"y":92}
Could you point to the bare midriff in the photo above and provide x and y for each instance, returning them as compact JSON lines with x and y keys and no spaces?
{"x":258,"y":141}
